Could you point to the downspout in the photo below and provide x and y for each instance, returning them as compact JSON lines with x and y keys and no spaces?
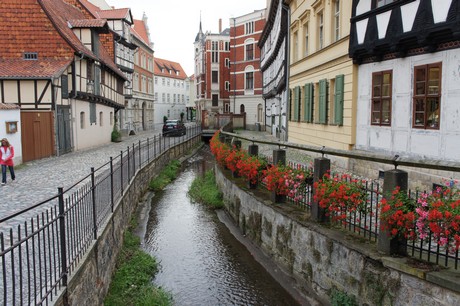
{"x":288,"y":62}
{"x":234,"y":66}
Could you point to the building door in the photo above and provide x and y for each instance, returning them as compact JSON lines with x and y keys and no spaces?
{"x":37,"y":135}
{"x":64,"y":129}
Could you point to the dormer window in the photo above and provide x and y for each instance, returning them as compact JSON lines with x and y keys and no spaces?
{"x":30,"y":55}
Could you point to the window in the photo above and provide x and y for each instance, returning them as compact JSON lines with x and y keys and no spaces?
{"x":337,"y":106}
{"x":336,"y":28}
{"x":214,"y":76}
{"x":168,"y":82}
{"x":296,"y":104}
{"x":169,"y":98}
{"x":227,"y":62}
{"x":227,"y":46}
{"x":249,"y":80}
{"x":308,"y":102}
{"x":305,"y":32}
{"x":295,"y":48}
{"x":174,"y":98}
{"x":111,"y":118}
{"x":82,"y":120}
{"x":156,"y":97}
{"x":163,"y":95}
{"x":320,"y":30}
{"x":215,"y":52}
{"x":322,"y":101}
{"x":250,"y":51}
{"x":427,"y":96}
{"x":381,"y":98}
{"x":163,"y":81}
{"x":215,"y":100}
{"x":249,"y":27}
{"x":242,"y":109}
{"x":227,"y":85}
{"x":101,"y":123}
{"x":156,"y":80}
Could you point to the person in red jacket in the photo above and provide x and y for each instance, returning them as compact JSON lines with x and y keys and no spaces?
{"x":6,"y":159}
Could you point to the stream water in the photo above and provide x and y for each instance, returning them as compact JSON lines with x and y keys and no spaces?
{"x":201,"y":262}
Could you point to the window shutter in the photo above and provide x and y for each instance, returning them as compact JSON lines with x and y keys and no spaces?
{"x":308,"y":96}
{"x":338,"y":99}
{"x":296,"y":103}
{"x":322,"y":101}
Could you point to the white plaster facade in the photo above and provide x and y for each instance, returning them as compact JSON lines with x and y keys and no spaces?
{"x":14,"y":138}
{"x":401,"y":138}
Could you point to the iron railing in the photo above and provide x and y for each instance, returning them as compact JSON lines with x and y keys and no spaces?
{"x":49,"y":239}
{"x":366,"y":223}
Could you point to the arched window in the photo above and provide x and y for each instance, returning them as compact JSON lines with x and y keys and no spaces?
{"x":242,"y":110}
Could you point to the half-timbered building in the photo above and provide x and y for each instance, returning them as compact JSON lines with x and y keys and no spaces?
{"x":409,"y":81}
{"x":274,"y":46}
{"x":56,"y":68}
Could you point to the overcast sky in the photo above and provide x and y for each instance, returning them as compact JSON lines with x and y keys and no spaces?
{"x":174,"y":24}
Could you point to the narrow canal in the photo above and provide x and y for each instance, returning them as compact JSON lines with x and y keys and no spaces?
{"x":201,"y":262}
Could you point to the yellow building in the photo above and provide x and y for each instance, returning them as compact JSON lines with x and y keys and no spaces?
{"x":322,"y":78}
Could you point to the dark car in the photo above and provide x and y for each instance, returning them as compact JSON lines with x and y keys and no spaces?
{"x":174,"y":128}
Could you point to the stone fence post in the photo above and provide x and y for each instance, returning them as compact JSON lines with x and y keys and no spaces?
{"x":386,"y":244}
{"x":321,"y":166}
{"x":279,"y":159}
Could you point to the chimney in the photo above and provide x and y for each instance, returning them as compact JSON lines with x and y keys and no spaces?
{"x":220,"y":25}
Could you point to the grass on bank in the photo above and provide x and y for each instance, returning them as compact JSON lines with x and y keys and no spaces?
{"x":205,"y":190}
{"x":132,"y":282}
{"x":166,"y":176}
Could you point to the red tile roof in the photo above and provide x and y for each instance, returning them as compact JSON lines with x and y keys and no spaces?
{"x":140,"y":30}
{"x":8,"y":106}
{"x":42,"y":68}
{"x":91,"y":8}
{"x":122,"y":13}
{"x":88,"y":23}
{"x":170,"y":69}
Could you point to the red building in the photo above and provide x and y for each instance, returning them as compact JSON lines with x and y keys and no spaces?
{"x":245,"y":74}
{"x":212,"y":73}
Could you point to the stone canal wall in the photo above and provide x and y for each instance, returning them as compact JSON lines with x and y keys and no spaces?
{"x":322,"y":260}
{"x":90,"y":280}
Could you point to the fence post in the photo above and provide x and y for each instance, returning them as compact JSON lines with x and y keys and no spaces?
{"x":111,"y":183}
{"x":129,"y":168}
{"x":93,"y":195}
{"x":148,"y":150}
{"x":321,"y":167}
{"x":140,"y":157}
{"x":253,"y":150}
{"x":279,"y":159}
{"x":386,"y":244}
{"x":134,"y":161}
{"x":121,"y":172}
{"x":62,"y":234}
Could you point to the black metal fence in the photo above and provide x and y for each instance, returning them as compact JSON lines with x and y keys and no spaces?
{"x":50,"y":238}
{"x":366,"y":223}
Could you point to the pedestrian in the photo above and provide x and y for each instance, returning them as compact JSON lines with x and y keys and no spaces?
{"x":6,"y":159}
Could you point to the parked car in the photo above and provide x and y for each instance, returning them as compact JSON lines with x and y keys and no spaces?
{"x":174,"y":128}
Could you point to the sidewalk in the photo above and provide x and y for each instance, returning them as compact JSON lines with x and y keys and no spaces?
{"x":39,"y":180}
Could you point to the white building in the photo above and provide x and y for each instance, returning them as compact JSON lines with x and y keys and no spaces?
{"x":274,"y":66}
{"x":171,"y":91}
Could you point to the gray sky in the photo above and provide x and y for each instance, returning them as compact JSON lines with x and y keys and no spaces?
{"x":174,"y":24}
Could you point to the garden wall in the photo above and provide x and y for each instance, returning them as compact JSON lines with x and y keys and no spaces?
{"x":321,"y":259}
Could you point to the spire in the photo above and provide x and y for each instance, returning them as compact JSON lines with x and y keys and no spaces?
{"x":200,"y":32}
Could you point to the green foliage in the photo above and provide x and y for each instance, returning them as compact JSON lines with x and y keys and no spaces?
{"x":340,"y":298}
{"x":205,"y":190}
{"x":166,"y":176}
{"x":164,"y":119}
{"x":116,"y":135}
{"x":131,"y":284}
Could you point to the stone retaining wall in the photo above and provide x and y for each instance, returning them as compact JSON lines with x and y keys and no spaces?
{"x":322,"y":259}
{"x":90,"y":280}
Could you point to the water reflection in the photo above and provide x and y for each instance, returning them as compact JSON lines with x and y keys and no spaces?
{"x":201,"y":262}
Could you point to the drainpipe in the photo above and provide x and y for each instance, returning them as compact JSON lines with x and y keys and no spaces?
{"x":288,"y":62}
{"x":234,"y":66}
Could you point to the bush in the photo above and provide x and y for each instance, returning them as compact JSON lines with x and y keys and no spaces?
{"x":205,"y":190}
{"x":166,"y":176}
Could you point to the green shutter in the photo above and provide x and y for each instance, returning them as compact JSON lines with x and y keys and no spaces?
{"x":296,"y":103}
{"x":338,"y":99}
{"x":308,"y":105}
{"x":322,"y":101}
